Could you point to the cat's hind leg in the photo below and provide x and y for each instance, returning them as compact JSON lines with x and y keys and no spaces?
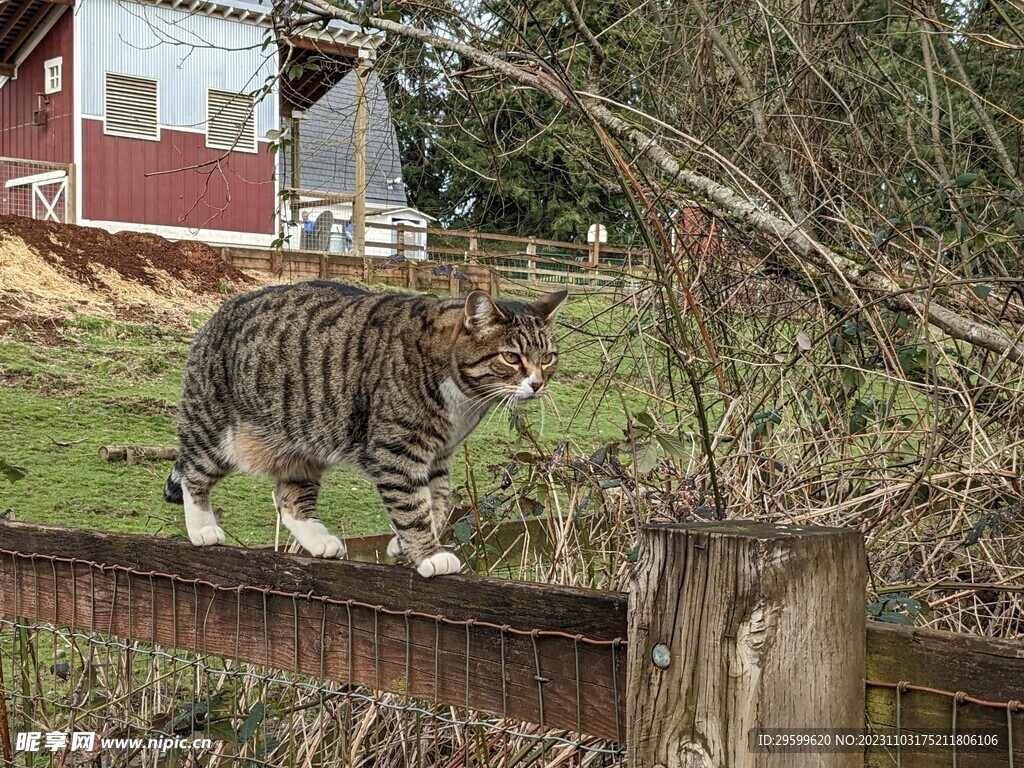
{"x":296,"y":503}
{"x":200,"y":521}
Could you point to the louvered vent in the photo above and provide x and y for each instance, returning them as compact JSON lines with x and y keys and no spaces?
{"x":230,"y":123}
{"x":130,"y":107}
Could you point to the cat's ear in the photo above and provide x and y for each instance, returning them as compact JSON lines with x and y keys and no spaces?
{"x":547,"y":306}
{"x":481,"y":311}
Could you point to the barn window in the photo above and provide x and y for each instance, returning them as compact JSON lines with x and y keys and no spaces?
{"x":52,"y":74}
{"x":230,"y":122}
{"x":130,"y":107}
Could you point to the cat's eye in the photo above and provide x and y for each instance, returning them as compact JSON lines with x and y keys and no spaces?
{"x":510,"y":358}
{"x":548,"y":359}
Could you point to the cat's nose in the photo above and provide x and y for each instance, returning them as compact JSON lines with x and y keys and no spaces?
{"x":536,"y":385}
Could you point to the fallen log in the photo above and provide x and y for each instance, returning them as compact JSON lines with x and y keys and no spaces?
{"x":133,"y":454}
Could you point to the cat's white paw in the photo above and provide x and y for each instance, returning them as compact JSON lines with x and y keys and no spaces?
{"x":314,"y":537}
{"x":207,"y":536}
{"x":395,"y":548}
{"x":327,"y":546}
{"x":439,"y":564}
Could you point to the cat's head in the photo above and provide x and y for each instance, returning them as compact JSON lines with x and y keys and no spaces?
{"x":507,"y":349}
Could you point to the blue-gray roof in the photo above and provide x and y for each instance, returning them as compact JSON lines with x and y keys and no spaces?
{"x":327,"y":145}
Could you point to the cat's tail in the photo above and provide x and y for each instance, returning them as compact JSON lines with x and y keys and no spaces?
{"x":172,"y":488}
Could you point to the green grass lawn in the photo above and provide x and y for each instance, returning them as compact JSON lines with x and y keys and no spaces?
{"x":112,"y":383}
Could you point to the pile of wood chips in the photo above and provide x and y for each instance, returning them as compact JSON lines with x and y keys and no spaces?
{"x":50,"y":270}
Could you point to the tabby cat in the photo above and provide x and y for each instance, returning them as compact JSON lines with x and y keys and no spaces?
{"x":290,"y":380}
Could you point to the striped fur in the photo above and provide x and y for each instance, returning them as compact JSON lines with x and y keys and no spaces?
{"x":288,"y":381}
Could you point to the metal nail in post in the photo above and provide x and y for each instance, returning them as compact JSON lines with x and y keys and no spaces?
{"x":660,"y":656}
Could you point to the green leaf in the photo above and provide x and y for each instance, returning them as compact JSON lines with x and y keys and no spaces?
{"x":646,"y":420}
{"x":220,"y":730}
{"x":295,"y":71}
{"x":462,"y":530}
{"x":646,"y":457}
{"x":965,"y":179}
{"x":673,"y":446}
{"x":851,"y":378}
{"x":762,"y":416}
{"x":273,"y":134}
{"x":248,"y":727}
{"x":982,"y":291}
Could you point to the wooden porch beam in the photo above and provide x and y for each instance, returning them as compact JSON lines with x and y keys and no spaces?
{"x":30,"y":28}
{"x":11,"y":23}
{"x":325,"y":47}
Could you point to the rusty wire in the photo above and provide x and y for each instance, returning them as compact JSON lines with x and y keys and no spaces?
{"x":958,"y":698}
{"x":179,"y":583}
{"x":350,"y":603}
{"x":446,"y":715}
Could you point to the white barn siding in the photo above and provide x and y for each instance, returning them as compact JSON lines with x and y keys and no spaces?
{"x":132,"y":38}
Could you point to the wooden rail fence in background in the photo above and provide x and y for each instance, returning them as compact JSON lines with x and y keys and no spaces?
{"x":458,"y":261}
{"x":729,"y":627}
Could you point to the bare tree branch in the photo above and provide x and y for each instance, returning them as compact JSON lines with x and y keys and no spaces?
{"x":807,"y":255}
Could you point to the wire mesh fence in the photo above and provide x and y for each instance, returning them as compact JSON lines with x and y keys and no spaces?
{"x":89,"y":698}
{"x":36,"y":189}
{"x":131,"y":650}
{"x":130,"y":666}
{"x":945,"y":727}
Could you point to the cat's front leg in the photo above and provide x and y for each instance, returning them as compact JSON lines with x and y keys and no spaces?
{"x":405,"y":490}
{"x":440,"y":493}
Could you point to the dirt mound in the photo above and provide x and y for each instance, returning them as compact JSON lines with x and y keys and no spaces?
{"x":48,"y":269}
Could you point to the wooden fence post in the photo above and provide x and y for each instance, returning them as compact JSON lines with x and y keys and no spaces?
{"x":738,"y":625}
{"x":531,"y":265}
{"x":71,"y":196}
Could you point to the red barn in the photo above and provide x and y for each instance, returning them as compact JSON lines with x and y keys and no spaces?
{"x":152,"y":116}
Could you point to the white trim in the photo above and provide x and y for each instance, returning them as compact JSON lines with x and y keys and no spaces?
{"x":50,"y":207}
{"x":278,"y":161}
{"x":399,"y":209}
{"x":183,"y":129}
{"x":215,"y":237}
{"x":76,"y":108}
{"x":169,"y":127}
{"x":48,"y":87}
{"x":130,"y":135}
{"x":36,"y":178}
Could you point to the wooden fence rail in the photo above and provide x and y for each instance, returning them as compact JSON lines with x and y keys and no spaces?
{"x":531,"y":652}
{"x":725,"y":623}
{"x":457,"y":262}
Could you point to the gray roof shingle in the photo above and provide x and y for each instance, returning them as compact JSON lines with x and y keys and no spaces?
{"x":327,"y":145}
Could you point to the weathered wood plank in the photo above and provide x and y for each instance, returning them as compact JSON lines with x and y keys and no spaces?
{"x":984,"y":668}
{"x":374,"y":625}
